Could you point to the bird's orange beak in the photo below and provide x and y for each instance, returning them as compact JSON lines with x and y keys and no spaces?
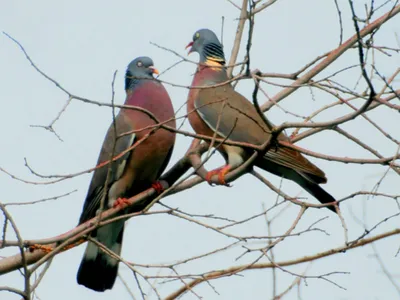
{"x":189,"y":45}
{"x":155,"y":71}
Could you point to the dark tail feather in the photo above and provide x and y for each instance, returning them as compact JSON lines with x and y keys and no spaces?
{"x":318,"y":192}
{"x":97,"y":274}
{"x":98,"y":270}
{"x":306,"y":181}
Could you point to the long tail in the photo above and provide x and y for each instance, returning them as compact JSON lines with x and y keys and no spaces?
{"x":318,"y":192}
{"x":306,"y":181}
{"x":98,"y":270}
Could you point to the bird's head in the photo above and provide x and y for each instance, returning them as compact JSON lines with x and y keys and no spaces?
{"x":206,"y":43}
{"x":139,"y":68}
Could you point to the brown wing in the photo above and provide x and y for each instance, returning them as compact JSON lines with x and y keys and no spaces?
{"x":295,"y":160}
{"x":231,"y":115}
{"x":96,"y":188}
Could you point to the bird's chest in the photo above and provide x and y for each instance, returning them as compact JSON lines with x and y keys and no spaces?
{"x":197,"y":123}
{"x":145,"y":163}
{"x":148,"y":157}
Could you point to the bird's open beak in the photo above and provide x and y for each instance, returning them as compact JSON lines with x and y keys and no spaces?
{"x":189,"y":45}
{"x":155,"y":71}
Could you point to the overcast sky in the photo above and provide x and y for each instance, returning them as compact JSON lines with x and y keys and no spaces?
{"x":81,"y":43}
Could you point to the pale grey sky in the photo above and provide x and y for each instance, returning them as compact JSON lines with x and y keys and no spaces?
{"x":81,"y":43}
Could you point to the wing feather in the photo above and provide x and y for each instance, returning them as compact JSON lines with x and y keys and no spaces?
{"x":97,"y":185}
{"x":232,"y":116}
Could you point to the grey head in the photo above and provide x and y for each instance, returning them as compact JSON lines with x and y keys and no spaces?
{"x":140,"y":68}
{"x":206,"y":43}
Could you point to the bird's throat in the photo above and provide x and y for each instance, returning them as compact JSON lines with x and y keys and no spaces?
{"x":214,"y":64}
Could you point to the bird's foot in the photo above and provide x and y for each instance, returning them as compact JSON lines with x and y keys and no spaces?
{"x":81,"y":241}
{"x":210,"y":174}
{"x":158,"y":187}
{"x":121,"y":202}
{"x":44,"y":248}
{"x":221,"y":172}
{"x":293,"y":135}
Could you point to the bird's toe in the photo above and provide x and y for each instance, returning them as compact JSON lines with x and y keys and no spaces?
{"x":121,"y":202}
{"x":158,"y":187}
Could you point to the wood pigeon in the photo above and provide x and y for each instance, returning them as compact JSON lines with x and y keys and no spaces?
{"x":222,"y":111}
{"x":133,"y":173}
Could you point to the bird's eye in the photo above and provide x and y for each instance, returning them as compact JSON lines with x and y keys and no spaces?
{"x":139,"y":64}
{"x":197,"y":35}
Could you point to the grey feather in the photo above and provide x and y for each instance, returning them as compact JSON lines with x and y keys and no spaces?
{"x":96,"y":188}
